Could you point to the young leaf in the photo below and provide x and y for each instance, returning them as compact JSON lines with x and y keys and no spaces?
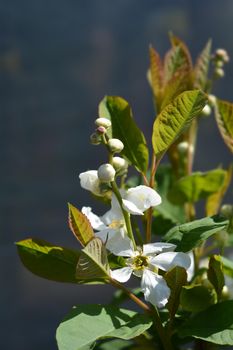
{"x":200,"y":73}
{"x":80,"y":225}
{"x":124,"y":128}
{"x":48,"y":261}
{"x":224,"y":118}
{"x":214,"y":201}
{"x":93,"y":263}
{"x":190,"y":235}
{"x":185,"y":56}
{"x":85,"y":324}
{"x":214,"y":325}
{"x":156,"y":71}
{"x":197,"y":186}
{"x":215,"y":274}
{"x":196,"y":298}
{"x":175,"y":118}
{"x":176,"y":279}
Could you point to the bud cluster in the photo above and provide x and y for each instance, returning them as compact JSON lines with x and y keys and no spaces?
{"x":220,"y":57}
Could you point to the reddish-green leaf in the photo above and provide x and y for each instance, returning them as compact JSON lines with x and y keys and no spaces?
{"x":201,"y":68}
{"x":156,"y":71}
{"x":224,"y":118}
{"x":80,"y":225}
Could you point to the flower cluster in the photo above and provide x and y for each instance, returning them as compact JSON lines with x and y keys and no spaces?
{"x":146,"y":261}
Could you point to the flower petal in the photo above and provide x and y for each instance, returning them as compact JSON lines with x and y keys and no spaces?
{"x":89,"y":181}
{"x":143,"y":197}
{"x":131,"y":208}
{"x":168,"y":260}
{"x":120,"y":245}
{"x":96,"y":222}
{"x":156,"y":248}
{"x":155,"y":288}
{"x":121,"y":275}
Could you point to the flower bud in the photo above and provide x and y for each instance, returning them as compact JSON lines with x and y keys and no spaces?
{"x":106,"y":173}
{"x":115,"y":145}
{"x":222,"y":54}
{"x":206,"y":110}
{"x":101,"y":130}
{"x":106,"y":123}
{"x":227,"y":211}
{"x":212,"y":100}
{"x":119,"y":163}
{"x":183,"y":147}
{"x":219,"y":72}
{"x":95,"y":139}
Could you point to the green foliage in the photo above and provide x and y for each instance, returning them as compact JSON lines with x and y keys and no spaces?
{"x":224,"y":118}
{"x":198,"y":297}
{"x":85,"y":324}
{"x":176,"y":279}
{"x":80,"y":225}
{"x":175,"y":118}
{"x":197,"y":186}
{"x":48,"y":261}
{"x":215,"y":274}
{"x":93,"y":264}
{"x":192,"y":234}
{"x":124,"y":128}
{"x":214,"y":325}
{"x":227,"y":266}
{"x":200,"y":74}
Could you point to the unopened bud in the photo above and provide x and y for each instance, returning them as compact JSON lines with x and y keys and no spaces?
{"x":212,"y":100}
{"x":219,"y":72}
{"x":206,"y":110}
{"x":106,"y":123}
{"x":227,"y":211}
{"x":115,"y":145}
{"x":101,"y":130}
{"x":106,"y":173}
{"x":119,"y":163}
{"x":95,"y":139}
{"x":183,"y":147}
{"x":222,"y":55}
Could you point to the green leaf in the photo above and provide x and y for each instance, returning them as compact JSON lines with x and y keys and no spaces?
{"x":197,"y":186}
{"x":48,"y":261}
{"x":214,"y":325}
{"x":93,"y":263}
{"x":227,"y":266}
{"x":190,"y":235}
{"x":85,"y":324}
{"x":224,"y":118}
{"x":196,"y":298}
{"x":202,"y":67}
{"x":184,"y":51}
{"x":175,"y":118}
{"x":124,"y":128}
{"x":215,"y":274}
{"x":116,"y":344}
{"x":80,"y":225}
{"x":214,"y":201}
{"x":176,"y":279}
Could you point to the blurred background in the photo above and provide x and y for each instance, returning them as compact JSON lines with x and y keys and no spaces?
{"x":57,"y":61}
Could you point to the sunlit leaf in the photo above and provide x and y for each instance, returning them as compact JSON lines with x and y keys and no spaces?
{"x":214,"y":325}
{"x":175,"y":118}
{"x":85,"y":324}
{"x":190,"y":235}
{"x":48,"y":261}
{"x":224,"y":118}
{"x":215,"y":274}
{"x":196,"y":186}
{"x":93,"y":263}
{"x":214,"y":201}
{"x":176,"y":279}
{"x":200,"y":74}
{"x":156,"y":71}
{"x":124,"y":128}
{"x":80,"y":225}
{"x":184,"y":51}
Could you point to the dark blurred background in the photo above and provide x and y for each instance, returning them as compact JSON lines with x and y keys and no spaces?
{"x":57,"y":61}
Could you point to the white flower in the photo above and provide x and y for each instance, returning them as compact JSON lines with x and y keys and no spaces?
{"x":89,"y":181}
{"x":138,"y":199}
{"x":110,"y":227}
{"x":145,"y":263}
